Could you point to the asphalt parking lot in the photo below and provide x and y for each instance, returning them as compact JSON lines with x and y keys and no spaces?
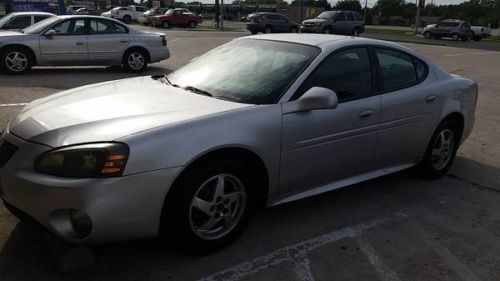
{"x":398,"y":227}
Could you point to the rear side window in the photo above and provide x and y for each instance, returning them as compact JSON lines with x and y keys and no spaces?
{"x":347,"y":72}
{"x":19,"y":22}
{"x":453,"y":24}
{"x":398,"y":69}
{"x":350,"y":17}
{"x":105,"y":27}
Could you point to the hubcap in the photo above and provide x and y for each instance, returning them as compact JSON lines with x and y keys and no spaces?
{"x":135,"y":61}
{"x":16,"y":61}
{"x":217,"y":206}
{"x":442,"y":150}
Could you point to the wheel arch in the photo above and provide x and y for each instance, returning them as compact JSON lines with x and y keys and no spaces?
{"x":27,"y":48}
{"x":137,"y":47}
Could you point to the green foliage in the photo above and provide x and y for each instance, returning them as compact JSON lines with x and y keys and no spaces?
{"x":348,"y":5}
{"x":312,"y":3}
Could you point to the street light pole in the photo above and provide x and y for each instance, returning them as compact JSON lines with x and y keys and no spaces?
{"x":366,"y":6}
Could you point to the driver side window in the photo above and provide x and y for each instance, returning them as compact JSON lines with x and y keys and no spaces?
{"x":70,"y":27}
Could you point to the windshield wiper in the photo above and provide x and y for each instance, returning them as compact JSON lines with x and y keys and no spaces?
{"x":197,"y":91}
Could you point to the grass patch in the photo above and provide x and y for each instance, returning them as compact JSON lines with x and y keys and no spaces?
{"x":493,"y":38}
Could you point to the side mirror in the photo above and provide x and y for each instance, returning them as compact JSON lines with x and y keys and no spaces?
{"x":314,"y":98}
{"x":50,"y":33}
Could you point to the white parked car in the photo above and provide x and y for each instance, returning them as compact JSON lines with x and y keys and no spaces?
{"x":128,"y":14}
{"x":480,"y":32}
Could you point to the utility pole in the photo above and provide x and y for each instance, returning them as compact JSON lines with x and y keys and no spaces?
{"x":417,"y":18}
{"x":221,"y":25}
{"x":366,"y":7}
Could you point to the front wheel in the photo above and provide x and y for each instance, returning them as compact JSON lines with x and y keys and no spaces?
{"x":355,"y":32}
{"x":294,"y":29}
{"x":165,"y":24}
{"x":127,"y":19}
{"x":455,"y":37}
{"x":441,"y":150}
{"x":210,"y":207}
{"x":327,"y":30}
{"x":192,"y":24}
{"x":135,"y":60}
{"x":15,"y":61}
{"x":427,"y":35}
{"x":268,"y":29}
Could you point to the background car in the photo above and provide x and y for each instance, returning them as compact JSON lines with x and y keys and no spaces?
{"x":454,"y":29}
{"x":335,"y":22}
{"x":80,"y":40}
{"x":147,"y":17}
{"x":86,"y":11}
{"x":267,"y":22}
{"x":177,"y":17}
{"x":188,"y":156}
{"x":480,"y":32}
{"x":20,"y":20}
{"x":129,"y":14}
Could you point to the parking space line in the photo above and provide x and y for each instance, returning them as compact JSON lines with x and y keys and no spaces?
{"x":384,"y":272}
{"x":13,"y":104}
{"x":290,"y":253}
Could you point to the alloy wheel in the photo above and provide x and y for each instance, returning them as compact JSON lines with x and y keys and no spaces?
{"x":16,"y":61}
{"x":136,"y":61}
{"x":217,"y":206}
{"x":442,"y":150}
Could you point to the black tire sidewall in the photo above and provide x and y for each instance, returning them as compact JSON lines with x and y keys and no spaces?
{"x":176,"y":208}
{"x":4,"y":67}
{"x":427,"y":169}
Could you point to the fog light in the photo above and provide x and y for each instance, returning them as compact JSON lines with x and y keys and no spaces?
{"x":81,"y":222}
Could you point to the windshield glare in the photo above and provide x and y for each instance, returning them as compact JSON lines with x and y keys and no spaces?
{"x":247,"y":70}
{"x":40,"y":26}
{"x":326,"y":15}
{"x":5,"y":19}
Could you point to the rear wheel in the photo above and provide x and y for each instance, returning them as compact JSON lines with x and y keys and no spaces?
{"x":16,"y":60}
{"x":127,"y":19}
{"x":135,"y":60}
{"x":192,"y":24}
{"x":427,"y":35}
{"x":455,"y":37}
{"x":327,"y":30}
{"x":268,"y":29}
{"x":210,"y":207}
{"x":165,"y":24}
{"x":441,"y":150}
{"x":356,"y":32}
{"x":253,"y":32}
{"x":294,"y":29}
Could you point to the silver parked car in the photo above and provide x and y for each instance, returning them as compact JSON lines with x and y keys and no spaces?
{"x":259,"y":121}
{"x":80,"y":40}
{"x":21,"y":20}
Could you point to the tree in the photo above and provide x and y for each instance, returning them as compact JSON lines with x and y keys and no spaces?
{"x":390,"y":7}
{"x":348,"y":5}
{"x":312,"y":3}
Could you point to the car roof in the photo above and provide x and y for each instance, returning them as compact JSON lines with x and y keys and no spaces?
{"x":32,"y":13}
{"x":315,"y":39}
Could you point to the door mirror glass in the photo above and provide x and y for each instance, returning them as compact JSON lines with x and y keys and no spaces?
{"x":50,"y":33}
{"x":314,"y":98}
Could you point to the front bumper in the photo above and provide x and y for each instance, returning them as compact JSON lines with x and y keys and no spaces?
{"x":311,"y":29}
{"x":122,"y":208}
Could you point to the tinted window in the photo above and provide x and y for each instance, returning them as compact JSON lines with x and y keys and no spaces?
{"x":282,"y":18}
{"x":348,"y":73}
{"x":327,"y":15}
{"x":396,"y":69}
{"x":247,"y":70}
{"x":105,"y":27}
{"x":40,"y":18}
{"x":70,"y":27}
{"x":272,"y":17}
{"x":350,"y":17}
{"x":340,"y":17}
{"x":358,"y":16}
{"x":19,"y":22}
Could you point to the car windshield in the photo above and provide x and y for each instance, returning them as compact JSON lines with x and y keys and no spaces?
{"x":40,"y":26}
{"x":247,"y":70}
{"x":327,"y":15}
{"x":5,"y":19}
{"x":169,"y":12}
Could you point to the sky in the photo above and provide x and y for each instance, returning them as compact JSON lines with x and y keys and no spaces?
{"x":370,"y":2}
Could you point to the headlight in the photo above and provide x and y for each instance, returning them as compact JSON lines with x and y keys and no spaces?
{"x":95,"y":160}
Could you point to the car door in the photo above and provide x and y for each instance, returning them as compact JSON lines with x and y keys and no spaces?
{"x":340,"y":24}
{"x":410,"y":108}
{"x":350,"y":23}
{"x":68,"y":46}
{"x":107,"y":41}
{"x":322,"y":146}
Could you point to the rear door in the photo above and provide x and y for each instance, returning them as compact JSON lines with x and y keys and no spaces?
{"x":409,"y":108}
{"x":68,"y":46}
{"x":107,"y":40}
{"x":340,"y":24}
{"x":350,"y":23}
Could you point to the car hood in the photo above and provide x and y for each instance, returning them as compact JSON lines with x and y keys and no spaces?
{"x":314,"y":21}
{"x":430,"y":26}
{"x":10,"y":33}
{"x":111,"y":110}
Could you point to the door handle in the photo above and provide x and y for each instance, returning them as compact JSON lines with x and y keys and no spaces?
{"x":367,"y":113}
{"x":79,"y":43}
{"x":431,"y":98}
{"x":123,"y":41}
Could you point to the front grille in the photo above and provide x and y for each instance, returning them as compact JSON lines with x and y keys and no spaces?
{"x":7,"y":150}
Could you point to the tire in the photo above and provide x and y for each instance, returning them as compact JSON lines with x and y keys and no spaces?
{"x":268,"y":29}
{"x":253,"y":32}
{"x":355,"y":32}
{"x":192,"y":24}
{"x":441,"y":150}
{"x":327,"y":30}
{"x":127,"y":19}
{"x":294,"y":29}
{"x":135,"y":60}
{"x":455,"y":37}
{"x":165,"y":24}
{"x":427,"y":35}
{"x":16,"y":60}
{"x":184,"y":220}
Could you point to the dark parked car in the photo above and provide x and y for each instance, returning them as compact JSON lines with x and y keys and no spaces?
{"x":335,"y":22}
{"x":454,"y":29}
{"x":270,"y":23}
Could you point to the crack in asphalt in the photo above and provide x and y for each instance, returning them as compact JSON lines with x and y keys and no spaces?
{"x":477,"y":185}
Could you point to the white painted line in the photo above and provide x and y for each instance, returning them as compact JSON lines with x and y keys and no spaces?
{"x":451,"y":260}
{"x":13,"y":104}
{"x":384,"y":272}
{"x":290,"y":253}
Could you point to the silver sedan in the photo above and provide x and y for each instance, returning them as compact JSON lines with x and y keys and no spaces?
{"x":80,"y":40}
{"x":259,"y":121}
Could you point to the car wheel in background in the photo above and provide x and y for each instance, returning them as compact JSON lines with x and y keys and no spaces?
{"x":355,"y":32}
{"x":268,"y":29}
{"x":209,"y":207}
{"x":165,"y":24}
{"x":327,"y":30}
{"x":253,"y":32}
{"x":15,"y":60}
{"x":135,"y":60}
{"x":441,"y":150}
{"x":427,"y":35}
{"x":127,"y":19}
{"x":294,"y":29}
{"x":455,"y":37}
{"x":192,"y":24}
